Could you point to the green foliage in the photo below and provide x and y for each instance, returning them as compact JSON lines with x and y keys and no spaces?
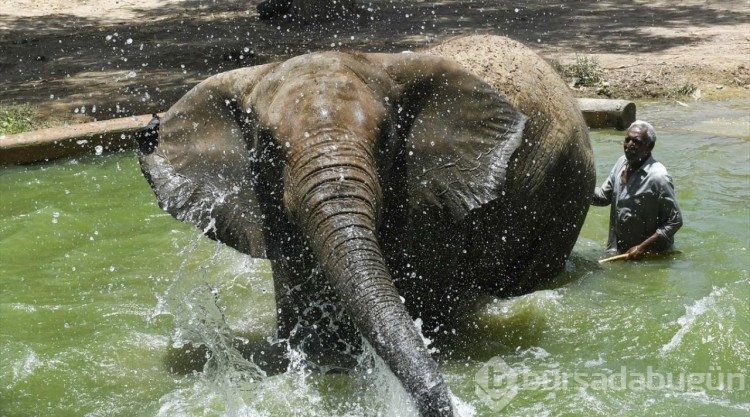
{"x":16,"y":119}
{"x":558,"y":67}
{"x":585,"y":72}
{"x":684,"y":89}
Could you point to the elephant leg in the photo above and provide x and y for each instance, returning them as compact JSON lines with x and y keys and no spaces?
{"x":308,"y":313}
{"x":270,"y":356}
{"x":290,"y":302}
{"x":433,"y":270}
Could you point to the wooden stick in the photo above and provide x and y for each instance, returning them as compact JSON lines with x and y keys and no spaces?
{"x":624,"y":256}
{"x":620,"y":257}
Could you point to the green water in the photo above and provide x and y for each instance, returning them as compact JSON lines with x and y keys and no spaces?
{"x":95,"y":280}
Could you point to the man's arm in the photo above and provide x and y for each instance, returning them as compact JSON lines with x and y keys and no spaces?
{"x":670,"y":215}
{"x":638,"y":250}
{"x":670,"y":220}
{"x":603,"y":195}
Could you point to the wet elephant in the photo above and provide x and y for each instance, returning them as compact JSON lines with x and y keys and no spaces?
{"x":384,"y":187}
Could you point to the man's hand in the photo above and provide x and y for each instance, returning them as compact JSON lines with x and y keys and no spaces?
{"x":636,"y":252}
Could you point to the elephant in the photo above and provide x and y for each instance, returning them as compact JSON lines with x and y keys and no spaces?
{"x":383,"y":188}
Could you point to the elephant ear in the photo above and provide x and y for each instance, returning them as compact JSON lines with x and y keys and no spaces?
{"x":459,"y":133}
{"x":202,"y":168}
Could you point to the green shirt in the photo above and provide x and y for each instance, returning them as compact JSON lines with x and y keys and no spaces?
{"x":640,"y":208}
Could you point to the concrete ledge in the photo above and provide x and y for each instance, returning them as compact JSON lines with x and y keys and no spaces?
{"x":604,"y":113}
{"x":85,"y":138}
{"x":117,"y":134}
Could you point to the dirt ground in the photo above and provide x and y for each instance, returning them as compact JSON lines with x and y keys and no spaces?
{"x":79,"y":60}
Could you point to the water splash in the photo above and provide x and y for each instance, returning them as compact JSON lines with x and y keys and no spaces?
{"x":692,"y":314}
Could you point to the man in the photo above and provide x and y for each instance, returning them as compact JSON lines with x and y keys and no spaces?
{"x":645,"y":215}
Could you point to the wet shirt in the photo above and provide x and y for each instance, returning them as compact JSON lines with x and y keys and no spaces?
{"x":645,"y":205}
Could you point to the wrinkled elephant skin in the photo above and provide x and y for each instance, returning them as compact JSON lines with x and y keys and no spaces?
{"x":382,"y":176}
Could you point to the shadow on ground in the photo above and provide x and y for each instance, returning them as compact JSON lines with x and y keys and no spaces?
{"x":96,"y":67}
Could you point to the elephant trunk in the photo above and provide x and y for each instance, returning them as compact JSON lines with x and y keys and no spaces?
{"x":335,"y":191}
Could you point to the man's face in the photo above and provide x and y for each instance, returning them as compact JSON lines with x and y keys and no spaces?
{"x":637,"y":146}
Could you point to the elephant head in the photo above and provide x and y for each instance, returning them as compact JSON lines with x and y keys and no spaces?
{"x":315,"y":161}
